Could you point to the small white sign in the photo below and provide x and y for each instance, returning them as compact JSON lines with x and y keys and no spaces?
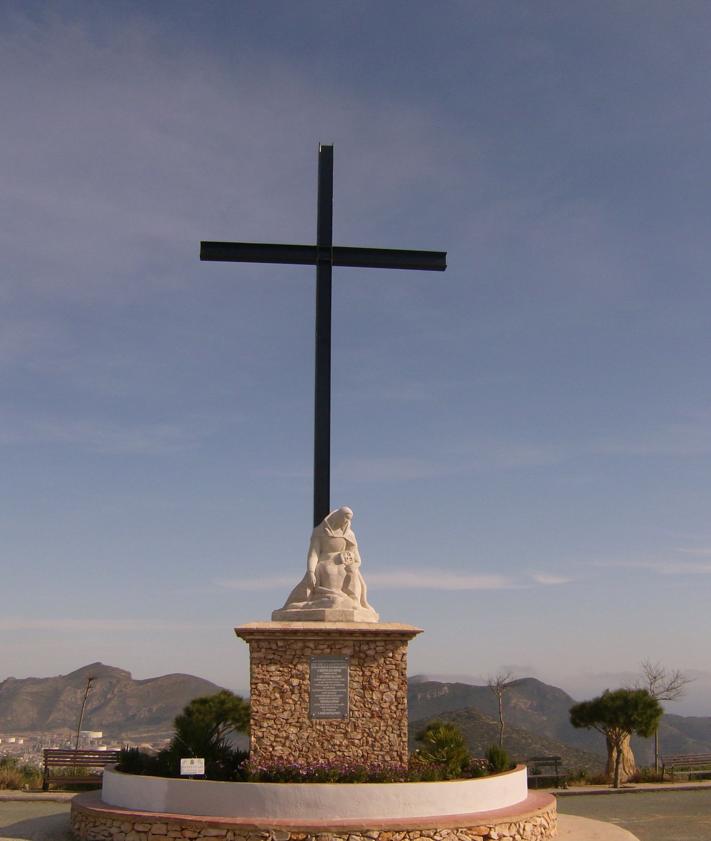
{"x":192,"y":765}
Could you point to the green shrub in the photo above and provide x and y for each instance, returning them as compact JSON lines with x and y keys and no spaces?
{"x":498,"y":759}
{"x":203,"y":729}
{"x":221,"y":762}
{"x":136,"y":761}
{"x":442,"y":745}
{"x":225,"y":764}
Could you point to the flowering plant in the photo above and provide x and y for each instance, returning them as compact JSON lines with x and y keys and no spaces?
{"x":417,"y":770}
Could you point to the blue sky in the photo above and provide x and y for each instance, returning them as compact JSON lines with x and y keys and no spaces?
{"x":525,"y":439}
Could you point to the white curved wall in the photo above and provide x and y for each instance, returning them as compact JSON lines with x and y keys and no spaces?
{"x":314,"y":801}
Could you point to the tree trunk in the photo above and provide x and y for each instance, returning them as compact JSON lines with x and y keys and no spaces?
{"x":621,"y":761}
{"x":501,"y":720}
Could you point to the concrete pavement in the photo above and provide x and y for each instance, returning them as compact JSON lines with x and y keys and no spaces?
{"x":667,"y":815}
{"x":574,"y":828}
{"x":34,"y":820}
{"x":681,"y":813}
{"x":30,"y":819}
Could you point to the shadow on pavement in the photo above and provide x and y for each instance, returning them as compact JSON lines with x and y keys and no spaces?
{"x":45,"y":828}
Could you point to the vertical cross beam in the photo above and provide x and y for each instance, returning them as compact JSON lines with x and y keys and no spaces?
{"x":322,"y":399}
{"x":324,"y":255}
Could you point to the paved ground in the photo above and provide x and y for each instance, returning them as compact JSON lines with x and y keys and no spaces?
{"x":34,"y":820}
{"x":650,"y":815}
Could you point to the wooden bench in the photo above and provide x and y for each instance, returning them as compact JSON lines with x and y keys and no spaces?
{"x":693,"y":763}
{"x":72,"y":763}
{"x":547,"y":770}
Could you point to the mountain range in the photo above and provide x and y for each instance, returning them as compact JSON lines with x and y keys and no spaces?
{"x":542,"y":713}
{"x":117,"y":705}
{"x":536,"y":714}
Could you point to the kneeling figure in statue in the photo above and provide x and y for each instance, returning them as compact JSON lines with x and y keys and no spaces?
{"x":333,"y":588}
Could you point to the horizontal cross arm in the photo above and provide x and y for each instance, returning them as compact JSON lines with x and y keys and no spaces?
{"x":306,"y":255}
{"x":390,"y":258}
{"x":254,"y":252}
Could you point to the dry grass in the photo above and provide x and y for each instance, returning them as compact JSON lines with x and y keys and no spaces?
{"x":16,"y":776}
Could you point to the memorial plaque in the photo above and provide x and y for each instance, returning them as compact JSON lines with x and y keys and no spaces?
{"x":328,"y":689}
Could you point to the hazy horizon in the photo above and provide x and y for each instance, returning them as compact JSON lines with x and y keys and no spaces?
{"x":695,"y":701}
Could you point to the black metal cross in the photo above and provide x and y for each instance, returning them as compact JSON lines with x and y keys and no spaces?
{"x":324,"y":255}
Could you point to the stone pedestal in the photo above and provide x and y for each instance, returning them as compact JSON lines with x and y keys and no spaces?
{"x":292,"y":694}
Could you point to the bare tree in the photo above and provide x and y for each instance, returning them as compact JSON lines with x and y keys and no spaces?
{"x":663,"y":685}
{"x":498,"y":684}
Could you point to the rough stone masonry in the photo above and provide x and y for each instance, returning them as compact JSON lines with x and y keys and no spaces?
{"x":91,"y":824}
{"x":281,"y":729}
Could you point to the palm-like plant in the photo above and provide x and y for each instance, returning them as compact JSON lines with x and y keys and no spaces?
{"x":204,"y":728}
{"x":443,"y":745}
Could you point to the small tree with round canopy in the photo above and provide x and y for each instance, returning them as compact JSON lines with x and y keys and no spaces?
{"x":617,"y":715}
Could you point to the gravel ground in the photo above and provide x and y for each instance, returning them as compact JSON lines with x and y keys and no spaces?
{"x":650,"y":815}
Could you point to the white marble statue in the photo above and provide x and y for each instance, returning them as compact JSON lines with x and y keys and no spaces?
{"x":333,"y":588}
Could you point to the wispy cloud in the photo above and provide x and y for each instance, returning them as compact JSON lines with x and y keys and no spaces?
{"x":439,"y":580}
{"x":105,"y":436}
{"x":410,"y":580}
{"x":703,"y":552}
{"x":548,"y":579}
{"x":686,"y":436}
{"x":662,"y":566}
{"x":23,"y":623}
{"x":685,"y":568}
{"x":432,"y":579}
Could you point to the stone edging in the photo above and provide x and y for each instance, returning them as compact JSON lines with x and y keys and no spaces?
{"x":637,"y":788}
{"x":534,"y":819}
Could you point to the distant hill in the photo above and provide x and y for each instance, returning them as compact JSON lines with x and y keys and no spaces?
{"x":117,"y":704}
{"x":542,"y":711}
{"x":680,"y":734}
{"x":529,"y":704}
{"x":482,"y":731}
{"x":536,"y":714}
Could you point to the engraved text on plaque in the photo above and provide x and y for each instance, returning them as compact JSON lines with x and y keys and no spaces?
{"x":328,"y":691}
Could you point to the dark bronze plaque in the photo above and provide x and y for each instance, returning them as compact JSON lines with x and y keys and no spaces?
{"x":328,"y":690}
